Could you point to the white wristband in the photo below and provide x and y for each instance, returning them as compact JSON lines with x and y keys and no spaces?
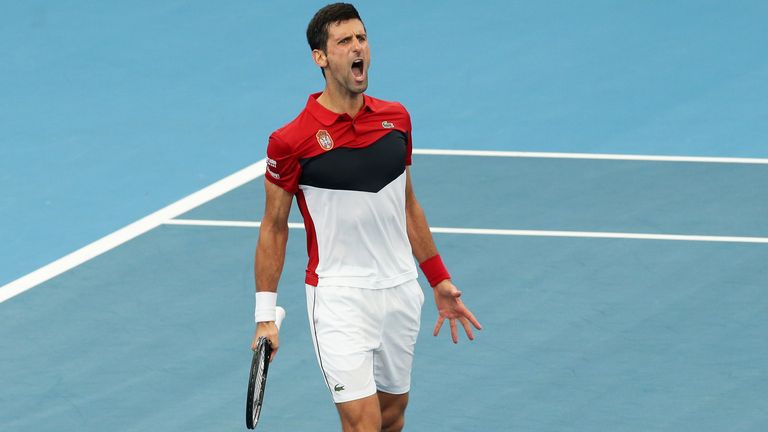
{"x":266,"y":304}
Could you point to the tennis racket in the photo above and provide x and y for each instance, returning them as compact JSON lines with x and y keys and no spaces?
{"x":258,"y":377}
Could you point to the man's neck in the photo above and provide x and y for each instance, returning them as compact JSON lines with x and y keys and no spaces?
{"x":340,"y":101}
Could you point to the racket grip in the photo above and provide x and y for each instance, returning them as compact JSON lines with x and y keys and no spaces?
{"x":279,"y":315}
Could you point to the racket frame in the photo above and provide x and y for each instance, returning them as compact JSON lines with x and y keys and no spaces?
{"x":257,"y":383}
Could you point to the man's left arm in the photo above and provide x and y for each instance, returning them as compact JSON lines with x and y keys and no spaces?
{"x":447,"y":296}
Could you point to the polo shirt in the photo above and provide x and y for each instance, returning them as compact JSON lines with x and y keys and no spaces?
{"x":348,"y":176}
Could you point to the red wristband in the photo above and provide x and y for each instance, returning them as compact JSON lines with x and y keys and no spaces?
{"x":434,"y":270}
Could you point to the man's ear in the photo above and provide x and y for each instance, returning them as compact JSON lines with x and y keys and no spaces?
{"x":320,"y":58}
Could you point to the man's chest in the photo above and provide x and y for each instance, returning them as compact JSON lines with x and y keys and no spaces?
{"x":352,"y":163}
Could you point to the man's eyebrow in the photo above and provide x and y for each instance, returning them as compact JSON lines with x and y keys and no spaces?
{"x":341,"y":38}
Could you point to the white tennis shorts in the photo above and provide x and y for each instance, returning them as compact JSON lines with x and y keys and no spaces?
{"x":364,"y":338}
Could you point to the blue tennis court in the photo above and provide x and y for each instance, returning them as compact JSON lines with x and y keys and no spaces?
{"x":609,"y":226}
{"x":581,"y":333}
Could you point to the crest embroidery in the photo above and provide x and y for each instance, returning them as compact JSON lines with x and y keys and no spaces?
{"x":324,"y":139}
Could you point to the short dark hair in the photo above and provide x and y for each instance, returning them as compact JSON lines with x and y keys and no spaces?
{"x":317,"y":30}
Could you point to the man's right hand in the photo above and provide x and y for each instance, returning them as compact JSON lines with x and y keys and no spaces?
{"x":269,"y":330}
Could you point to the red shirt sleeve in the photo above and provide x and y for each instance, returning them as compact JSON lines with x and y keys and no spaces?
{"x":283,"y":169}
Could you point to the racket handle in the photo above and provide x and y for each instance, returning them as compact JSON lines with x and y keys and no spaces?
{"x":279,"y":315}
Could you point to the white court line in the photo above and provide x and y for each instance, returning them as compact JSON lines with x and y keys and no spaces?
{"x":225,"y":223}
{"x":593,"y":156}
{"x":250,"y":173}
{"x":506,"y":232}
{"x":131,"y":231}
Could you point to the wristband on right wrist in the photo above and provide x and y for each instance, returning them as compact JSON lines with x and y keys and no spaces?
{"x":266,"y":306}
{"x":434,"y":270}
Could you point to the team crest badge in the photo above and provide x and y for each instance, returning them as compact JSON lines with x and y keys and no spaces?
{"x":387,"y":125}
{"x":324,"y":139}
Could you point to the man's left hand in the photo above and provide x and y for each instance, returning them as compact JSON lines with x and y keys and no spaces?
{"x":450,"y":307}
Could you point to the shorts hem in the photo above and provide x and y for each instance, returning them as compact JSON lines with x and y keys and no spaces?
{"x":394,"y":390}
{"x":348,"y":397}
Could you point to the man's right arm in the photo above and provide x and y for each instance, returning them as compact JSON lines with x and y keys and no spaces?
{"x":270,"y":253}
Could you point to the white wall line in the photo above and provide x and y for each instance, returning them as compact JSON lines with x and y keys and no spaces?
{"x":131,"y":231}
{"x":507,"y":232}
{"x":594,"y":156}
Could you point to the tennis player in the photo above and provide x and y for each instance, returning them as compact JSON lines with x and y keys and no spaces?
{"x":346,"y":160}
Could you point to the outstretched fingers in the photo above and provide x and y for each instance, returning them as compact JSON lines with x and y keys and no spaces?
{"x":470,"y":316}
{"x":454,"y":328}
{"x":450,"y":307}
{"x":467,"y":328}
{"x":438,"y":324}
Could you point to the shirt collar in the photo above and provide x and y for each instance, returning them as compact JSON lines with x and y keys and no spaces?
{"x":328,"y":117}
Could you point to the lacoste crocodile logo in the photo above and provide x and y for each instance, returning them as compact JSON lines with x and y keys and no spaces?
{"x":387,"y":125}
{"x":338,"y":388}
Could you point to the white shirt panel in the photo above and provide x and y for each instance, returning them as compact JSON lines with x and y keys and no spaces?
{"x":362,"y":239}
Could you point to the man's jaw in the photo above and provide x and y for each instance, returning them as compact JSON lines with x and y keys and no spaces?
{"x":347,"y":84}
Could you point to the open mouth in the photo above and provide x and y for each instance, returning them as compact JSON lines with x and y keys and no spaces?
{"x":357,"y":69}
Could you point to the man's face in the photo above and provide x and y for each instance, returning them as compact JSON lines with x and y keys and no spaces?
{"x":347,"y":56}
